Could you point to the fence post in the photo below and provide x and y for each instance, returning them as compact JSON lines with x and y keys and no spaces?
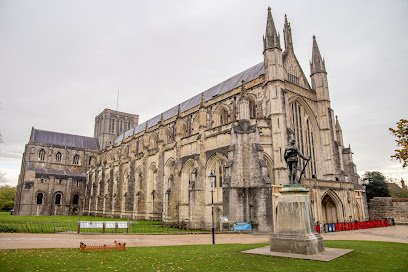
{"x":116,"y":226}
{"x":79,"y":226}
{"x":104,"y":226}
{"x":128,"y":224}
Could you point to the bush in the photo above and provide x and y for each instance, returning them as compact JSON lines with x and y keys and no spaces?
{"x":7,"y":229}
{"x":8,"y":205}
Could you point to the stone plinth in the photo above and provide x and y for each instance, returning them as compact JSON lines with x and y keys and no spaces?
{"x":295,"y":231}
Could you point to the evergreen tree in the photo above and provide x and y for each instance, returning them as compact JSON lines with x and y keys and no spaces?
{"x":375,"y":184}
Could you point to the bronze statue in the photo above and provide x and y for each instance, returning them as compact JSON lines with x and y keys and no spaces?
{"x":291,"y":158}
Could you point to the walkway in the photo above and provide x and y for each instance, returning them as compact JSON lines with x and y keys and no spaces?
{"x":30,"y":240}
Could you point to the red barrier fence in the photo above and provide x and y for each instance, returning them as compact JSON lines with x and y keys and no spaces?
{"x":353,"y":226}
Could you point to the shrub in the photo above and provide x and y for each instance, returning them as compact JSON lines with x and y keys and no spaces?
{"x":7,"y":229}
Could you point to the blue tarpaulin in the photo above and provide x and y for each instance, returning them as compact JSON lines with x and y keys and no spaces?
{"x":242,"y":226}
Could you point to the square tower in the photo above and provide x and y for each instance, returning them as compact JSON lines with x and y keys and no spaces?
{"x":109,"y":124}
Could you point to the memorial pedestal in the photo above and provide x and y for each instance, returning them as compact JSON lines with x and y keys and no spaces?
{"x":295,"y":231}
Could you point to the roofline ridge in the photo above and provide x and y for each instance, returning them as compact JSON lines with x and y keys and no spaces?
{"x":199,"y":94}
{"x":63,"y":133}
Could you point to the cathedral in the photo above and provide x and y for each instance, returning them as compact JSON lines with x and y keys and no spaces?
{"x":226,"y":144}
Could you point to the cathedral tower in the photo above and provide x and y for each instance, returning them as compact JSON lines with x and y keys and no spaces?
{"x":274,"y":85}
{"x":109,"y":124}
{"x":325,"y":114}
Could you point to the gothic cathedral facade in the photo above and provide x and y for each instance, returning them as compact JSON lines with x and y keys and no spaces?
{"x":236,"y":130}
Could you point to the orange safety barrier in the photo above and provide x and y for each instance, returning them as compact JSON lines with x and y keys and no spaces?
{"x":117,"y":246}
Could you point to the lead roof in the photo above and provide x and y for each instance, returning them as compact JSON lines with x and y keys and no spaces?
{"x":219,"y":89}
{"x":57,"y":138}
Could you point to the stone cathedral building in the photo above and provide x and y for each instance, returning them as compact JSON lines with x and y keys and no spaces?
{"x":237,"y":130}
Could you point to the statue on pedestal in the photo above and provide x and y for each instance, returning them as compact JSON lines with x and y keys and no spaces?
{"x":291,"y":158}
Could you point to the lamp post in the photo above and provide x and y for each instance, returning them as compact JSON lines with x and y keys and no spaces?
{"x":212,"y":180}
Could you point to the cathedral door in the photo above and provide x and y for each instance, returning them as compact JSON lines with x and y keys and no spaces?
{"x":329,"y":210}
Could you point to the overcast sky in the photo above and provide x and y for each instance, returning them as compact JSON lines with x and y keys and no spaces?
{"x":62,"y":63}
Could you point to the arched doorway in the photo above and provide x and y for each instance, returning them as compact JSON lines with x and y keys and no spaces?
{"x":329,"y":210}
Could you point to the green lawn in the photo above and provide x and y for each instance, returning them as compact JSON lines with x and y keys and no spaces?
{"x":54,"y":224}
{"x":367,"y":256}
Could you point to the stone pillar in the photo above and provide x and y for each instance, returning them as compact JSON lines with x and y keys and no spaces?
{"x":295,"y":231}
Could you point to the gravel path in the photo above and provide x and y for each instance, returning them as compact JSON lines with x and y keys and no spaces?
{"x":30,"y":240}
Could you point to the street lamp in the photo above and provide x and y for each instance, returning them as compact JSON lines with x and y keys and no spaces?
{"x":212,"y":180}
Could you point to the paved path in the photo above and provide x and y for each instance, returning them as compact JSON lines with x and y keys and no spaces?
{"x":30,"y":240}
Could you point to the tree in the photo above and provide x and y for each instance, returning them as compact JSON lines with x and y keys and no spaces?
{"x":375,"y":184}
{"x":401,"y":133}
{"x":7,"y":194}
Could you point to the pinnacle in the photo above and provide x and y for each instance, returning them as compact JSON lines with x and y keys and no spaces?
{"x":317,"y":64}
{"x":271,"y":39}
{"x":287,"y":32}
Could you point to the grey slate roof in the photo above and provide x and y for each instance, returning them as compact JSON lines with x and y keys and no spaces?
{"x":219,"y":89}
{"x":56,"y":138}
{"x":56,"y":172}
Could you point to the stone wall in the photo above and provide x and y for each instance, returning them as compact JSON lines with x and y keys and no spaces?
{"x":387,"y":207}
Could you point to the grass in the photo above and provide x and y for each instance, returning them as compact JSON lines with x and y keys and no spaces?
{"x":54,"y":224}
{"x":367,"y":256}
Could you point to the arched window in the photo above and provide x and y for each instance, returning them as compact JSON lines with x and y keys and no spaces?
{"x":168,"y":136}
{"x":187,"y":177}
{"x":219,"y":173}
{"x":304,"y":136}
{"x":41,"y":155}
{"x":153,"y":141}
{"x":112,"y":126}
{"x":183,"y":130}
{"x":76,"y":159}
{"x":39,"y":198}
{"x":252,"y":109}
{"x":217,"y":165}
{"x":58,"y":199}
{"x":76,"y":199}
{"x":223,"y":117}
{"x":58,"y":157}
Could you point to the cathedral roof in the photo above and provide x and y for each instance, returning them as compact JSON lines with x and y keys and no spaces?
{"x":219,"y":89}
{"x":56,"y":138}
{"x":57,"y":172}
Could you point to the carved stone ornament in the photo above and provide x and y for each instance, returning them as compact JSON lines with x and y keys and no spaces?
{"x":244,"y":126}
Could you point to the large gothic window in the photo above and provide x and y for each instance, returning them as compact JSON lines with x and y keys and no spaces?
{"x":304,"y":136}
